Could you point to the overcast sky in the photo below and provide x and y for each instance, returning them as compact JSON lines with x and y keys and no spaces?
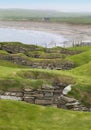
{"x":60,"y":5}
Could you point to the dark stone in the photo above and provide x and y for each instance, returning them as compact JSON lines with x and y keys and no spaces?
{"x":43,"y":101}
{"x":48,"y":94}
{"x":29,"y":99}
{"x":44,"y":96}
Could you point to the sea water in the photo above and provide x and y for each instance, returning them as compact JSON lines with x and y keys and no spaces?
{"x":31,"y":37}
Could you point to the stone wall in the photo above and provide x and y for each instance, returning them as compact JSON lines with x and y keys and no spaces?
{"x":29,"y":55}
{"x":42,"y":64}
{"x":71,"y":103}
{"x":44,"y":96}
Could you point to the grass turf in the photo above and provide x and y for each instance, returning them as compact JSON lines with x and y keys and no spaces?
{"x":22,"y":116}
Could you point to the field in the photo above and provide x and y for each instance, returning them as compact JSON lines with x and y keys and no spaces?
{"x":18,"y":75}
{"x":22,"y":116}
{"x":38,"y":15}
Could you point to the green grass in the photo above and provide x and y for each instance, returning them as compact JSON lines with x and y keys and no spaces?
{"x":21,"y":45}
{"x":24,"y":77}
{"x":14,"y":75}
{"x":80,"y":48}
{"x":84,"y":70}
{"x":22,"y":116}
{"x":7,"y":71}
{"x":81,"y":59}
{"x":11,"y":65}
{"x":3,"y":52}
{"x":36,"y":78}
{"x":73,"y":20}
{"x":38,"y":15}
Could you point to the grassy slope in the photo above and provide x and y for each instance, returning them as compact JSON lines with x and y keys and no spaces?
{"x":22,"y":116}
{"x":25,"y":77}
{"x":82,"y":58}
{"x":13,"y":75}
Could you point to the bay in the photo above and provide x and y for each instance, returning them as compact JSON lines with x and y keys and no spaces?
{"x":40,"y":38}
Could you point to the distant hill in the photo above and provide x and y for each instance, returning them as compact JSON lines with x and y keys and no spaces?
{"x":26,"y":14}
{"x":23,"y":13}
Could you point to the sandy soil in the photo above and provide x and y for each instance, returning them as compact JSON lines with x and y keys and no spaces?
{"x":70,"y":31}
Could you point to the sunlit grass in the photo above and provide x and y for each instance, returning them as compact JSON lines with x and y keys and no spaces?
{"x":23,"y":116}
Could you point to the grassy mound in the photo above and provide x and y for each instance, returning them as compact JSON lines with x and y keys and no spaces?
{"x":22,"y":116}
{"x":81,"y":59}
{"x":83,"y":70}
{"x":24,"y":77}
{"x":35,"y":56}
{"x":20,"y":76}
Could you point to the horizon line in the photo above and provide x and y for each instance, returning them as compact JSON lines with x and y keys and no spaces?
{"x":63,"y":11}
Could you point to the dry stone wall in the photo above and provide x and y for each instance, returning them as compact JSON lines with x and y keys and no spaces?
{"x":44,"y":96}
{"x":25,"y":61}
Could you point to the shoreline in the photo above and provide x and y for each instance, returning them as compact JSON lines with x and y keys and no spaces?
{"x":69,"y":31}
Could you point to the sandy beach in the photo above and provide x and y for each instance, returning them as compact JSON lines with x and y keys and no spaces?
{"x":69,"y":31}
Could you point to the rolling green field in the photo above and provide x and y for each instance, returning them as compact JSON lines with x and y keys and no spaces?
{"x":23,"y":116}
{"x":16,"y":75}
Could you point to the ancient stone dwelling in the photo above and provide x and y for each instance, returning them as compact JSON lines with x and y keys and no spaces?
{"x":46,"y":96}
